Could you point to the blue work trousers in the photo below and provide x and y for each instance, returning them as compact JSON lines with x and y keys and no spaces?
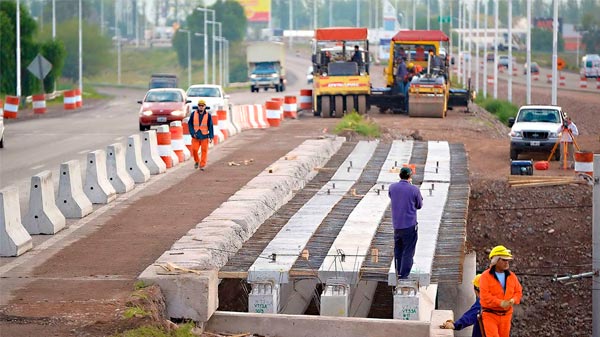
{"x":405,"y":242}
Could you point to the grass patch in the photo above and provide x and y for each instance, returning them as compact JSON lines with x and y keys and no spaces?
{"x":140,"y":285}
{"x":135,"y":312}
{"x":503,"y":110}
{"x":184,"y":330}
{"x":354,"y":122}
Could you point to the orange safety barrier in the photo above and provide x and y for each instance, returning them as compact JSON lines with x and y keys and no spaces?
{"x":549,"y":78}
{"x":598,"y":82}
{"x":1,"y":108}
{"x":11,"y":107}
{"x":290,"y":108}
{"x":305,"y":101}
{"x":69,"y":100}
{"x":490,"y":80}
{"x":583,"y":82}
{"x":250,"y":115}
{"x":39,"y":103}
{"x":261,"y":116}
{"x":163,"y":138}
{"x":177,"y":145}
{"x":218,"y":135}
{"x":413,"y":167}
{"x":78,"y":99}
{"x":273,"y":112}
{"x":562,"y":81}
{"x":222,"y":116}
{"x":187,"y":138}
{"x":584,"y":162}
{"x":280,"y":100}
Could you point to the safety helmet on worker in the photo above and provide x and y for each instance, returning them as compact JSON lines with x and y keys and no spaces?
{"x":476,"y":281}
{"x":411,"y":65}
{"x":201,"y":102}
{"x":502,"y":252}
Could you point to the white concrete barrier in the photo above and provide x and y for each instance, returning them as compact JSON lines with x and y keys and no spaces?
{"x":14,"y":239}
{"x":150,"y":153}
{"x":43,"y":217}
{"x":133,"y":159}
{"x":97,"y":186}
{"x":71,"y":200}
{"x":116,"y":170}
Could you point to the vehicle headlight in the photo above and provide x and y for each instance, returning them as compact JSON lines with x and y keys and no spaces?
{"x":177,"y":113}
{"x":274,"y":75}
{"x":253,"y":76}
{"x":516,"y":134}
{"x":553,"y":135}
{"x":147,"y":113}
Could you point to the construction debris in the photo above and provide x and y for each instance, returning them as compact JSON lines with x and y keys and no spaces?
{"x":245,"y":162}
{"x":535,"y":181}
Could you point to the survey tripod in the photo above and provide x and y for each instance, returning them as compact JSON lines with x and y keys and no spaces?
{"x":565,"y":155}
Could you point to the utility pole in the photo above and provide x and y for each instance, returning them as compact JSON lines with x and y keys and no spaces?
{"x":290,"y":23}
{"x":477,"y":45}
{"x":459,"y":46}
{"x":18,"y":51}
{"x":428,"y":16}
{"x":485,"y":37}
{"x":596,"y":249}
{"x":357,"y":13}
{"x":529,"y":51}
{"x":510,"y":61}
{"x":555,"y":54}
{"x":414,"y":16}
{"x":330,"y":13}
{"x":81,"y":53}
{"x":496,"y":49}
{"x":315,"y":14}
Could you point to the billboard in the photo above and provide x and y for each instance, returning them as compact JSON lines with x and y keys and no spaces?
{"x":256,"y":10}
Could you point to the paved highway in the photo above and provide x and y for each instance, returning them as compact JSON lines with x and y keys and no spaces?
{"x":35,"y":145}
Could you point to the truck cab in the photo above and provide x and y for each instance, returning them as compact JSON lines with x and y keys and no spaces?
{"x":163,"y":81}
{"x":266,"y":65}
{"x":536,"y":128}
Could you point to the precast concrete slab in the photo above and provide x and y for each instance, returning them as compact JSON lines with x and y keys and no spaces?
{"x":291,"y":239}
{"x":437,"y":166}
{"x":220,"y":226}
{"x":354,"y":240}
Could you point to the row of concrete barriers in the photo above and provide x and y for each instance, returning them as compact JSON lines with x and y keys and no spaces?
{"x":110,"y":172}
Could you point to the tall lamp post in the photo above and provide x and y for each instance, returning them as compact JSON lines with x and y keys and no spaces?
{"x":80,"y":53}
{"x":18,"y":51}
{"x":206,"y":10}
{"x":214,"y":67}
{"x":189,"y":54}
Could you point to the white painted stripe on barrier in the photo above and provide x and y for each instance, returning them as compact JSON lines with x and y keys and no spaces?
{"x":274,"y":114}
{"x":43,"y":216}
{"x":252,"y":117}
{"x":133,"y":159}
{"x":290,"y":106}
{"x":584,"y":167}
{"x":71,"y":200}
{"x":11,"y":107}
{"x":260,"y":113}
{"x":116,"y":169}
{"x":164,"y":150}
{"x":39,"y":104}
{"x":70,"y":100}
{"x":150,"y":154}
{"x":13,"y":236}
{"x":97,"y":186}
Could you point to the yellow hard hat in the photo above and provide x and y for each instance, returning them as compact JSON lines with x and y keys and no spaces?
{"x":501,"y":251}
{"x":201,"y":102}
{"x":476,"y":280}
{"x":411,"y":65}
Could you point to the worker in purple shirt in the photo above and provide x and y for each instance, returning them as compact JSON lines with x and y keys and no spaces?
{"x":406,"y":200}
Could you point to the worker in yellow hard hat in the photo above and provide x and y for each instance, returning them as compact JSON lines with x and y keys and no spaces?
{"x":500,"y":290}
{"x":470,"y":317}
{"x":202,"y":132}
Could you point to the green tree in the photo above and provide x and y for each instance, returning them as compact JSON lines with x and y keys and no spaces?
{"x":591,"y":36}
{"x":7,"y":54}
{"x":541,"y":40}
{"x":96,"y":49}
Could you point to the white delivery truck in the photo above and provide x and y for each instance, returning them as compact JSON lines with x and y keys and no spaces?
{"x":266,"y":65}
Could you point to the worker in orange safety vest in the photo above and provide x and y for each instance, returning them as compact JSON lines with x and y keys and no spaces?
{"x":201,"y":130}
{"x":500,"y":290}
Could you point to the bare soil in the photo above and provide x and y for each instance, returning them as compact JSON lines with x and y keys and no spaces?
{"x":83,"y":289}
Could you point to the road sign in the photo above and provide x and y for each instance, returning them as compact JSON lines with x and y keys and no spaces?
{"x":560,"y":63}
{"x":444,"y":19}
{"x":40,"y":67}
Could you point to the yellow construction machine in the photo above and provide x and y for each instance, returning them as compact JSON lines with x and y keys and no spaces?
{"x":428,"y":93}
{"x":341,"y":83}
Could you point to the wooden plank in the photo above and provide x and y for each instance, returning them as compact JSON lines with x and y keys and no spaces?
{"x":233,"y":274}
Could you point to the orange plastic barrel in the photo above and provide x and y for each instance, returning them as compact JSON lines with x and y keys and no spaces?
{"x":222,"y":115}
{"x":584,"y":162}
{"x":11,"y":107}
{"x":39,"y":103}
{"x":70,"y":102}
{"x":305,"y":101}
{"x":163,"y":140}
{"x":290,"y":107}
{"x":273,"y":112}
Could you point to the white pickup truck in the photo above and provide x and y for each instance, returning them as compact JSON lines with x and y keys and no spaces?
{"x":536,"y":128}
{"x":212,"y":94}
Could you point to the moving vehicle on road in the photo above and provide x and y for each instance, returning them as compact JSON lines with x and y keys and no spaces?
{"x":212,"y":94}
{"x":535,"y":69}
{"x":163,"y":106}
{"x":266,"y":65}
{"x":163,"y":81}
{"x":503,"y":61}
{"x":590,"y":66}
{"x":536,"y":128}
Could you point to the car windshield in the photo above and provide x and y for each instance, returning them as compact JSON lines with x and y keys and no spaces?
{"x":539,"y":115}
{"x":163,"y":96}
{"x":204,"y":92}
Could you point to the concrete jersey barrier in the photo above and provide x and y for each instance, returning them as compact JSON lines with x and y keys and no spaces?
{"x":97,"y":186}
{"x":116,"y":169}
{"x":150,"y":153}
{"x":134,"y":162}
{"x":43,"y":216}
{"x":71,"y":200}
{"x":14,"y":239}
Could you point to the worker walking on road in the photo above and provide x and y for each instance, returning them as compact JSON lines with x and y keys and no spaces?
{"x":406,"y":200}
{"x":567,"y":153}
{"x":500,"y":290}
{"x":201,"y":130}
{"x":470,"y":317}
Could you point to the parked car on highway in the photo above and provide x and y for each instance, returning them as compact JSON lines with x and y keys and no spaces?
{"x":503,"y":61}
{"x":212,"y":94}
{"x":163,"y":106}
{"x":1,"y":130}
{"x":535,"y":68}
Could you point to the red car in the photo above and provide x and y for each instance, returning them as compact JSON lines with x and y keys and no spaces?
{"x":163,"y":106}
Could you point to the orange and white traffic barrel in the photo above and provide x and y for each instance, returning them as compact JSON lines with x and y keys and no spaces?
{"x":39,"y":103}
{"x":218,"y":135}
{"x":11,"y":107}
{"x":562,"y":81}
{"x":583,"y":82}
{"x":536,"y":77}
{"x":222,"y":117}
{"x":1,"y":108}
{"x":598,"y":82}
{"x":78,"y":99}
{"x":549,"y":78}
{"x":280,"y":100}
{"x":252,"y":119}
{"x":165,"y":151}
{"x":290,"y":107}
{"x":273,"y":112}
{"x":70,"y":101}
{"x":584,"y":162}
{"x":490,"y":80}
{"x":177,"y":142}
{"x":187,"y":138}
{"x":305,"y":101}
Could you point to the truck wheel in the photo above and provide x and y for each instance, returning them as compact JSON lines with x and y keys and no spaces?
{"x":350,"y":104}
{"x":339,"y":106}
{"x":252,"y":89}
{"x":362,"y":104}
{"x":514,"y":154}
{"x":142,"y":127}
{"x":325,"y":106}
{"x":2,"y":143}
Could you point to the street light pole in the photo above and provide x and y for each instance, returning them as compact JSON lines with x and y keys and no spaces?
{"x":18,"y":51}
{"x":510,"y":61}
{"x":496,"y":49}
{"x":477,"y":44}
{"x":485,"y":48}
{"x":555,"y":54}
{"x":118,"y":41}
{"x":214,"y":67}
{"x":189,"y":54}
{"x":205,"y":10}
{"x":80,"y":53}
{"x":53,"y":19}
{"x":528,"y":51}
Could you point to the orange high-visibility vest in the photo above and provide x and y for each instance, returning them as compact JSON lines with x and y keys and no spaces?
{"x":203,"y":127}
